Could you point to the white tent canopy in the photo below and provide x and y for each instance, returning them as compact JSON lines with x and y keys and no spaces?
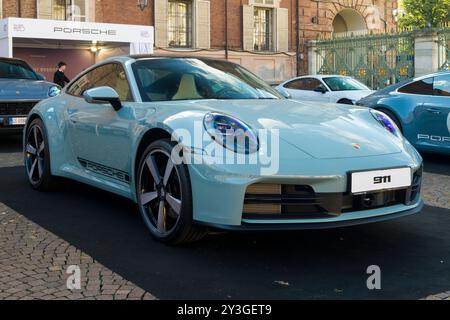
{"x":140,"y":38}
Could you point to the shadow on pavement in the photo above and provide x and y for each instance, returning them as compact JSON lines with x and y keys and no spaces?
{"x":413,"y":252}
{"x":10,"y":143}
{"x":437,"y":163}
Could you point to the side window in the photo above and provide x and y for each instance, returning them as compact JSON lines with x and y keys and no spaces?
{"x":79,"y":86}
{"x":111,"y":75}
{"x":441,"y":85}
{"x":314,"y":83}
{"x":424,"y":87}
{"x":303,"y":84}
{"x":299,"y":84}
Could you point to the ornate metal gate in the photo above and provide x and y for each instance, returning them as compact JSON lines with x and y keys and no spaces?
{"x":444,"y":49}
{"x":376,"y":60}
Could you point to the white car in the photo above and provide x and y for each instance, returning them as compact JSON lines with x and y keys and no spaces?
{"x":325,"y":88}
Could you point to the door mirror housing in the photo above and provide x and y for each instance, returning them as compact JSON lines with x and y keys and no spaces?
{"x":320,"y":89}
{"x":40,"y":76}
{"x":284,"y":92}
{"x":101,"y":95}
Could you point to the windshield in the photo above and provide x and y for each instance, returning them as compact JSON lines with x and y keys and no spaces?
{"x":344,"y":84}
{"x":16,"y":70}
{"x":192,"y":79}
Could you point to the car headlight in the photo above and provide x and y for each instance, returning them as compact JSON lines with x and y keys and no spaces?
{"x":231,"y":133}
{"x":387,"y":123}
{"x":53,"y":91}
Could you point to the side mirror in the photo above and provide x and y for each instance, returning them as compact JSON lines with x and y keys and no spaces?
{"x":320,"y":89}
{"x":102,"y":95}
{"x":284,"y":92}
{"x":40,"y":76}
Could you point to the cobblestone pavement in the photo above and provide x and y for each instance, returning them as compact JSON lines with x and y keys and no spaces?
{"x":436,"y":192}
{"x":34,"y":262}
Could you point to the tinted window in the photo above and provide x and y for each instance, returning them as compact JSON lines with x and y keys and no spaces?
{"x":424,"y":87}
{"x":110,"y":75}
{"x":304,"y":84}
{"x":441,"y":85}
{"x":344,"y":84}
{"x":16,"y":70}
{"x":193,"y":79}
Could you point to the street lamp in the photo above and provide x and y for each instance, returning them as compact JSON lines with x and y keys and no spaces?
{"x":142,"y":4}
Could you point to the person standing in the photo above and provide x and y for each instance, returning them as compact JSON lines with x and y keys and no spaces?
{"x":60,"y":78}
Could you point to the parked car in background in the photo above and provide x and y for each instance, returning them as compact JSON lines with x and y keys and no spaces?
{"x":421,"y":109}
{"x":20,"y":89}
{"x":326,"y":88}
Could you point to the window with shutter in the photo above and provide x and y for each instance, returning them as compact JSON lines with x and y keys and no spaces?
{"x":179,"y":24}
{"x":266,"y":26}
{"x":71,"y":10}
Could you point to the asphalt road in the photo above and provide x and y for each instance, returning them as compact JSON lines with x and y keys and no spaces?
{"x":413,"y":252}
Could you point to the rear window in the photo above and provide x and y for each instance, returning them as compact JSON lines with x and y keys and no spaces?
{"x":423,"y":87}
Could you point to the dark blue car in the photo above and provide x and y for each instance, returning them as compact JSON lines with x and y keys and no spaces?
{"x":20,"y":89}
{"x":421,"y":109}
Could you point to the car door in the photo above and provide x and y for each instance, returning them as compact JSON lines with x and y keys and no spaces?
{"x":429,"y":128}
{"x":303,"y":89}
{"x":433,"y":116}
{"x":100,"y":136}
{"x":413,"y":96}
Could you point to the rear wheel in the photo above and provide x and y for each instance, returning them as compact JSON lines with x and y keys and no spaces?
{"x":164,"y":196}
{"x":37,"y":157}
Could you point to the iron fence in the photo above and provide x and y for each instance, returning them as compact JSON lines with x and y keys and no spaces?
{"x":376,"y":60}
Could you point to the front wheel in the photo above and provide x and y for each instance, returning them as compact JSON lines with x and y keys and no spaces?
{"x":37,"y":157}
{"x":164,"y":196}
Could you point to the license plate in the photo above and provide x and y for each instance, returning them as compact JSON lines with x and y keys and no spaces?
{"x":368,"y":181}
{"x":17,"y":121}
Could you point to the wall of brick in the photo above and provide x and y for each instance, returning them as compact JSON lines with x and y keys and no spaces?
{"x":123,"y":12}
{"x":27,"y":8}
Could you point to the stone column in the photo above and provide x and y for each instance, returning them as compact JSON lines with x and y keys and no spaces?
{"x":312,"y":57}
{"x":425,"y":52}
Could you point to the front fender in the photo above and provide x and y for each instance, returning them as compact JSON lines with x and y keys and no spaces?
{"x":51,"y":112}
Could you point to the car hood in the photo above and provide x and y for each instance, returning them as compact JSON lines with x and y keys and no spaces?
{"x":15,"y":89}
{"x":320,"y":130}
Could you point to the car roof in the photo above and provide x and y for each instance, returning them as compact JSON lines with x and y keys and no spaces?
{"x":439,"y":73}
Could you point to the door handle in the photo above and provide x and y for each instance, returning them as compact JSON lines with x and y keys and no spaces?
{"x":434,"y":110}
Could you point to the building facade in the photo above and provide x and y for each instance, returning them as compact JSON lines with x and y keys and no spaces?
{"x":267,"y":36}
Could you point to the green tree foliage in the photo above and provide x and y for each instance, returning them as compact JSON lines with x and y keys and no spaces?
{"x":422,"y":13}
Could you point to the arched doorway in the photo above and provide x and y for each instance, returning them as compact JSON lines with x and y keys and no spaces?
{"x":347,"y":21}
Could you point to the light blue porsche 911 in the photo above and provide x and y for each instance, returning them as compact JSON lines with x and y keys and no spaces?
{"x":201,"y":143}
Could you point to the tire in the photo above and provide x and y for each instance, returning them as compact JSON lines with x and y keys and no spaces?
{"x":393,"y":117}
{"x":345,"y":101}
{"x":163,"y":191}
{"x":37,"y":157}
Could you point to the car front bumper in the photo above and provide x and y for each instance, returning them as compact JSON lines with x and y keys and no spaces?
{"x":219,"y":192}
{"x":360,"y":218}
